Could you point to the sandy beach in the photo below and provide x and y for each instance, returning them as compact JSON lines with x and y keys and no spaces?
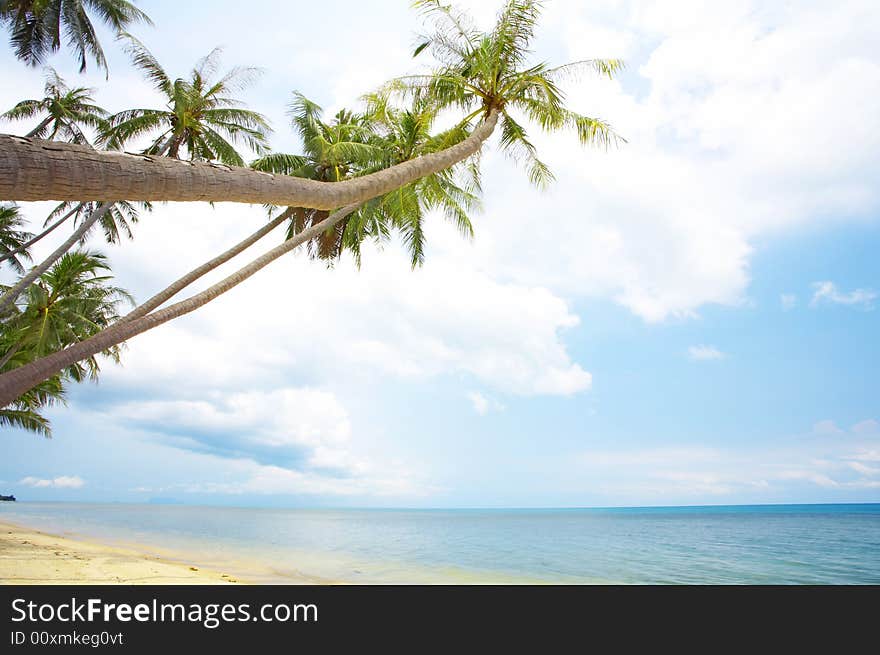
{"x":28,"y":556}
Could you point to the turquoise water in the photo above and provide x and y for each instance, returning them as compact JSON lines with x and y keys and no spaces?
{"x":781,"y":544}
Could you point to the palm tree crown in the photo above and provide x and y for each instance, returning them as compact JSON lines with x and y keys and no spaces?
{"x":63,"y":112}
{"x":358,"y":143}
{"x":13,"y":238}
{"x":201,"y":117}
{"x":36,"y":26}
{"x":481,"y":72}
{"x":71,"y":302}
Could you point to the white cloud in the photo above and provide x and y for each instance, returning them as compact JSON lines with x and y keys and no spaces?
{"x":61,"y":482}
{"x":483,"y":405}
{"x":826,"y":428}
{"x":868,"y":427}
{"x":704,"y":353}
{"x":479,"y":402}
{"x":827,"y":292}
{"x":788,"y":301}
{"x":722,"y":151}
{"x":448,"y":318}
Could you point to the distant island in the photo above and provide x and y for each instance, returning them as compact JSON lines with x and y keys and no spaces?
{"x":9,"y":498}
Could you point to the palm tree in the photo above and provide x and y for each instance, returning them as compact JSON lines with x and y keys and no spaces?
{"x":13,"y":240}
{"x":332,"y":151}
{"x":201,"y":117}
{"x":23,"y":412}
{"x":71,"y":302}
{"x":36,"y":26}
{"x":355,"y":144}
{"x":63,"y":112}
{"x":485,"y":74}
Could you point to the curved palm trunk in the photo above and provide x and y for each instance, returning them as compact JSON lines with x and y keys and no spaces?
{"x":40,"y":127}
{"x":32,"y":169}
{"x":196,"y":273}
{"x":19,"y":380}
{"x":10,"y":296}
{"x":42,"y":234}
{"x":11,"y":353}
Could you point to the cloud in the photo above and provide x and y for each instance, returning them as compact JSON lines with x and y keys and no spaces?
{"x":827,"y":292}
{"x":61,"y":482}
{"x":722,"y":150}
{"x":483,"y":405}
{"x":868,"y":427}
{"x":788,"y":301}
{"x":826,"y":428}
{"x":448,"y":318}
{"x":705,"y":353}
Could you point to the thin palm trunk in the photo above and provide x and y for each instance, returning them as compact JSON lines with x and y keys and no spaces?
{"x":10,"y":296}
{"x":42,"y":234}
{"x":39,"y":128}
{"x":196,"y":273}
{"x":19,"y":380}
{"x":11,"y":353}
{"x":31,"y":169}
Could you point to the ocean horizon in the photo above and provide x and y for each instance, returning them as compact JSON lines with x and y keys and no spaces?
{"x":695,"y":544}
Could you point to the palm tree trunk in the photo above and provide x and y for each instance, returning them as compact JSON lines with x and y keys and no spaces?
{"x":11,"y":353}
{"x":10,"y":296}
{"x":42,"y":234}
{"x":32,"y":169}
{"x":19,"y":380}
{"x":196,"y":273}
{"x":43,"y":123}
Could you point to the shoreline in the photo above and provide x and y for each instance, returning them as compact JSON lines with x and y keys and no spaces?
{"x":32,"y":557}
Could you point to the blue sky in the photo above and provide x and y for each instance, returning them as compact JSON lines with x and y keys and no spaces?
{"x":691,"y":319}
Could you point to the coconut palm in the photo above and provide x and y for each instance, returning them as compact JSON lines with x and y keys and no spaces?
{"x":63,"y":112}
{"x":36,"y":26}
{"x":332,"y":151}
{"x":201,"y":117}
{"x":13,"y":240}
{"x":354,"y":144}
{"x":486,"y":75}
{"x":484,"y":72}
{"x":71,"y":302}
{"x":24,"y":411}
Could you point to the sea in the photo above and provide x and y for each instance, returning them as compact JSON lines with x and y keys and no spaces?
{"x":766,"y":544}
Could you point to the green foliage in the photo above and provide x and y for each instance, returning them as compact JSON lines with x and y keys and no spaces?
{"x":480,"y":72}
{"x":358,"y":143}
{"x":62,"y":113}
{"x":36,"y":26}
{"x":13,"y":238}
{"x":201,"y":117}
{"x":72,"y":301}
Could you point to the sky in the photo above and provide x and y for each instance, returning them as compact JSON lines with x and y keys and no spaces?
{"x":690,"y":318}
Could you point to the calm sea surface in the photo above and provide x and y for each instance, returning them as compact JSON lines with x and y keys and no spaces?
{"x":781,"y":544}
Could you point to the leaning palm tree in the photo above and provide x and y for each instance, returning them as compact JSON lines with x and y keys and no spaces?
{"x":13,"y":239}
{"x":486,"y":75}
{"x":201,"y":118}
{"x":36,"y":26}
{"x":62,"y":112}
